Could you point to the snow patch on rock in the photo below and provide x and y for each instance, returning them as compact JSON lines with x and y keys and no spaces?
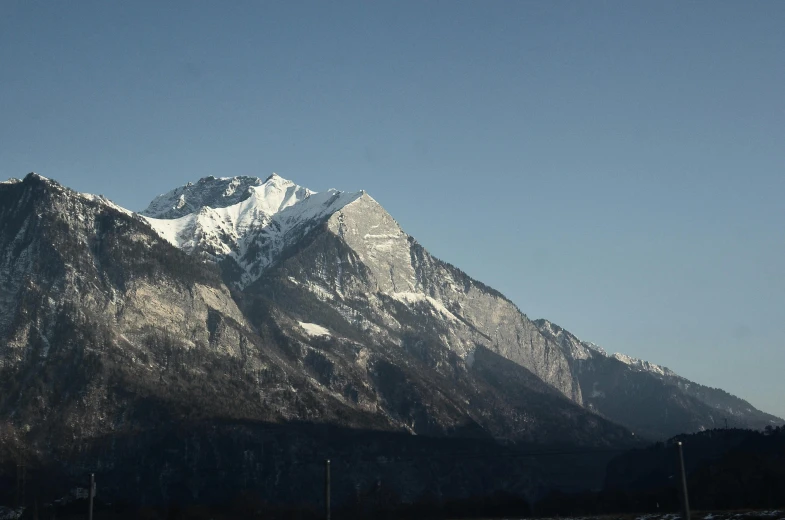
{"x":643,"y":365}
{"x":412,"y":297}
{"x":312,"y":329}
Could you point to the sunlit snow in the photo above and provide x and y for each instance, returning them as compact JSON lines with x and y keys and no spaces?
{"x":412,"y":297}
{"x":312,"y":329}
{"x":273,"y":215}
{"x":642,"y":365}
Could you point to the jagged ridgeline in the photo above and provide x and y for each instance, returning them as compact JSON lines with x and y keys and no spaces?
{"x":239,"y":325}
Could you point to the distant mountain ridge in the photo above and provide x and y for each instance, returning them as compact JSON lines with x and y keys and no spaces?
{"x":650,"y":399}
{"x":236,"y":299}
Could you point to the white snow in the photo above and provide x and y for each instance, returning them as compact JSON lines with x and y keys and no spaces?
{"x":103,"y":200}
{"x":232,"y":188}
{"x":209,"y":191}
{"x":312,"y":329}
{"x":595,"y":347}
{"x":642,"y":365}
{"x":412,"y":297}
{"x":627,"y":360}
{"x":275,"y":213}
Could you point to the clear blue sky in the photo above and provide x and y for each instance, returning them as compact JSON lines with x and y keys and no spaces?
{"x":616,"y":167}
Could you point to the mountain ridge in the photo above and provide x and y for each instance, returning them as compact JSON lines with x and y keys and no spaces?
{"x":142,"y":308}
{"x":411,"y":293}
{"x":605,"y":378}
{"x":109,"y":329}
{"x":275,"y":200}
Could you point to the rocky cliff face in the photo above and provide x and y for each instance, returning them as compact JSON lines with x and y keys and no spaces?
{"x":471,"y":314}
{"x":649,"y":399}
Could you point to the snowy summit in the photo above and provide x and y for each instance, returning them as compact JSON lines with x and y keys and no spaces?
{"x":242,"y":218}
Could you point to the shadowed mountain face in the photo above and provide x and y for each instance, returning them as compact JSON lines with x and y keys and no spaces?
{"x":650,"y":400}
{"x":274,"y":305}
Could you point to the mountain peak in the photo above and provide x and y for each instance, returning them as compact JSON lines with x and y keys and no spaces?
{"x":277,"y":179}
{"x":223,"y":192}
{"x":33,"y":177}
{"x":244,"y":218}
{"x":214,"y":192}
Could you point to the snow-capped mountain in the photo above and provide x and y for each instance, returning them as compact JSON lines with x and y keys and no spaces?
{"x":241,"y":220}
{"x":249,"y":236}
{"x":236,"y":301}
{"x":250,"y":223}
{"x":207,"y":192}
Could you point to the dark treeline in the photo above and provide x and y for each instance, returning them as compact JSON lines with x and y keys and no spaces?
{"x":727,"y":470}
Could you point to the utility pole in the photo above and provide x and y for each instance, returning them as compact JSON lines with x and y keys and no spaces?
{"x":726,"y":423}
{"x":327,"y":489}
{"x":91,"y":494}
{"x":21,"y":482}
{"x":685,"y":501}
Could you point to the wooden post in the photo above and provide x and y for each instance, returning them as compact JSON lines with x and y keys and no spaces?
{"x":685,"y":501}
{"x":327,"y":489}
{"x":91,"y":495}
